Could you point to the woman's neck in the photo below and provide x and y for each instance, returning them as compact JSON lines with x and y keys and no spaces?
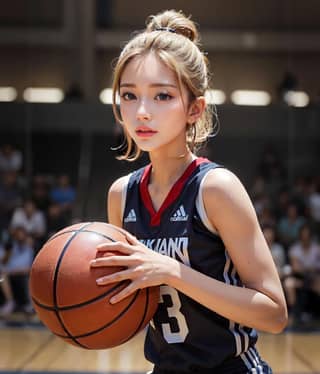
{"x":167,"y":169}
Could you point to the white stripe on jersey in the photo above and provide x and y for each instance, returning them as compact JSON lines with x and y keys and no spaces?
{"x":247,"y":363}
{"x":237,"y":330}
{"x":252,"y":361}
{"x":201,"y":209}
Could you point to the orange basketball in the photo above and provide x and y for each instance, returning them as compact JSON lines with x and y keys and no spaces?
{"x":68,"y":300}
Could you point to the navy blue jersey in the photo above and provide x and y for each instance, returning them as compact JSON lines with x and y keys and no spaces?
{"x":184,"y":334}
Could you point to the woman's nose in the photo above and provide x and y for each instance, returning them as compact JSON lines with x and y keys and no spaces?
{"x":142,"y":112}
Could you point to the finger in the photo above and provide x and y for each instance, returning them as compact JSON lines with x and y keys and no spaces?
{"x":114,"y":247}
{"x":115,"y":277}
{"x":126,"y":292}
{"x":131,"y":239}
{"x":111,"y":261}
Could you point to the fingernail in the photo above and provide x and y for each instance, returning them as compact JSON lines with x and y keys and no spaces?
{"x":99,"y":281}
{"x":113,"y":300}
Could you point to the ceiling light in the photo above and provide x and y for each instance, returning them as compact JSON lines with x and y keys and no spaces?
{"x":106,"y":96}
{"x":8,"y":94}
{"x":43,"y":95}
{"x":297,"y":99}
{"x":251,"y":97}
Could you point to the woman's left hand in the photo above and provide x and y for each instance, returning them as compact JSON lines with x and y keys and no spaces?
{"x":143,"y":266}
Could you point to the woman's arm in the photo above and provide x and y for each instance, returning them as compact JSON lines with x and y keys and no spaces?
{"x":114,"y":201}
{"x":261,"y":304}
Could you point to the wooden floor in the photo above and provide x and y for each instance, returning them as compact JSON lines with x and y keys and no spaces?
{"x":35,"y":349}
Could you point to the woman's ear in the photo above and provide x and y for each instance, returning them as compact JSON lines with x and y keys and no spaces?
{"x":196,"y":109}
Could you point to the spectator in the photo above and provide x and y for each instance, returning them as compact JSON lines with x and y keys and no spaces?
{"x":32,"y":220}
{"x":15,"y":265}
{"x":270,"y":166}
{"x":260,"y":202}
{"x":314,"y":204}
{"x":304,"y":258}
{"x":282,"y":202}
{"x":64,"y":195}
{"x":40,"y":193}
{"x":10,"y":197}
{"x":10,"y":158}
{"x":290,"y":225}
{"x":275,"y":181}
{"x":258,"y":187}
{"x":266,"y":217}
{"x":300,"y":193}
{"x":276,"y":249}
{"x":56,"y":220}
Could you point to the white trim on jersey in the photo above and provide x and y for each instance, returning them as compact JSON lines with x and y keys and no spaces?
{"x":252,"y":361}
{"x":248,"y":355}
{"x":236,"y":334}
{"x":232,"y":281}
{"x":124,"y":196}
{"x":201,"y":209}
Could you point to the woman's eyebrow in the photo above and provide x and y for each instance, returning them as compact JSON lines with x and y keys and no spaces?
{"x":160,"y":84}
{"x":163,"y":85}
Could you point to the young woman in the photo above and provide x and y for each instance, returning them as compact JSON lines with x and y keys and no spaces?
{"x":194,"y":230}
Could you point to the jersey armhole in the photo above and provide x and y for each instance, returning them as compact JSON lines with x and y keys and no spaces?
{"x":201,"y":208}
{"x":124,"y":195}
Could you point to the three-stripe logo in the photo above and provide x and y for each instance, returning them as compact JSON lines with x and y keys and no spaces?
{"x":179,"y":215}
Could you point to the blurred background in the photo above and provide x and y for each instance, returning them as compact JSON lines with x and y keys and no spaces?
{"x":57,"y":127}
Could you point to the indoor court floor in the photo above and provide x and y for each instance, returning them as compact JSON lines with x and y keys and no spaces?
{"x":31,"y":348}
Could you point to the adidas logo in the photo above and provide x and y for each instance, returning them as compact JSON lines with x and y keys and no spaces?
{"x":179,"y":215}
{"x":131,"y":217}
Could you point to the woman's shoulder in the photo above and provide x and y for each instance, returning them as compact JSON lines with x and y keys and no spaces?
{"x":119,"y":184}
{"x":222,"y":181}
{"x":228,"y":204}
{"x":115,"y":200}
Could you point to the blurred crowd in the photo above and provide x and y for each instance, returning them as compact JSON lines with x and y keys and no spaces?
{"x":29,"y":214}
{"x":288,"y":212}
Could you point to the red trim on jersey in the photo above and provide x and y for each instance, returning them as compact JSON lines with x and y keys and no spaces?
{"x":173,"y":193}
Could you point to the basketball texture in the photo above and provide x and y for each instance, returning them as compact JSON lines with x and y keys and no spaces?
{"x":69,"y":302}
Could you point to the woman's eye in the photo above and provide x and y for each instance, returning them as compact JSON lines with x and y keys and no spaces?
{"x":128,"y":96}
{"x":163,"y":97}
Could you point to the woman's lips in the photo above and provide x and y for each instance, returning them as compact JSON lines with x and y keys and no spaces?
{"x":145,"y":131}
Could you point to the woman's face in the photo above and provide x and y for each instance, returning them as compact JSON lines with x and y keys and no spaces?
{"x":305,"y":234}
{"x":153,"y":108}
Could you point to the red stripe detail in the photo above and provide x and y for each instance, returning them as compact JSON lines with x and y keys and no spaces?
{"x":144,"y":189}
{"x":173,"y":193}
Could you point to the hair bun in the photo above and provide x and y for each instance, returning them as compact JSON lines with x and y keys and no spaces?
{"x":173,"y":21}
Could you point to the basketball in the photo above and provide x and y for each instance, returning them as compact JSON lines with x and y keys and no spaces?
{"x":70,"y":303}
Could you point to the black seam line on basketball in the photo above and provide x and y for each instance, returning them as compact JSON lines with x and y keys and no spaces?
{"x":84,"y":303}
{"x":106,"y":325}
{"x":77,"y":231}
{"x":55,"y":281}
{"x":143,"y":317}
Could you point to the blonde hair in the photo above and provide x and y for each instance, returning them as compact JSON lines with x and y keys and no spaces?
{"x":174,"y":38}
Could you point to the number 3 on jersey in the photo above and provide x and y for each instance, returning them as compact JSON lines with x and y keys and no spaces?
{"x":174,"y":314}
